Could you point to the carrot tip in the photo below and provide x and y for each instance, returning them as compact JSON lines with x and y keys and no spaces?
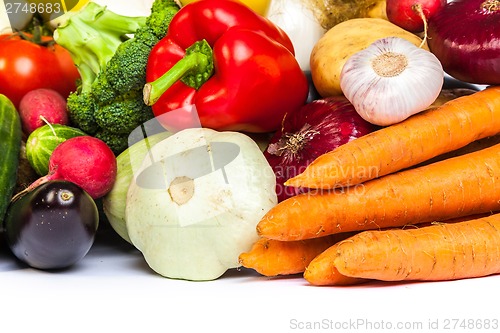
{"x":267,"y":230}
{"x":259,"y":229}
{"x":290,"y":182}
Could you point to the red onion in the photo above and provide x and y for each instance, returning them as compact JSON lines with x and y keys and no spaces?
{"x":318,"y":127}
{"x":465,"y":37}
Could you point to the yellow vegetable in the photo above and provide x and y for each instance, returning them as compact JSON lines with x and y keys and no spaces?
{"x":50,"y":9}
{"x":378,"y":10}
{"x":332,"y":12}
{"x":331,"y":52}
{"x":260,"y":6}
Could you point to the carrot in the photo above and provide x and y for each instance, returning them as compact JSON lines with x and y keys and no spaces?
{"x":434,"y":253}
{"x":421,"y":137}
{"x":271,"y":257}
{"x":471,"y":147}
{"x":459,"y":186}
{"x":322,"y":270}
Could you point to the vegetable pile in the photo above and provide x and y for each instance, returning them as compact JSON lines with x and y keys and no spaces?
{"x":218,"y":56}
{"x":351,"y":187}
{"x":31,"y":61}
{"x":318,"y":127}
{"x":342,"y":143}
{"x":108,"y":101}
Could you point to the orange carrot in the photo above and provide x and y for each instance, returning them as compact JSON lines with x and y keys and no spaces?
{"x":419,"y":138}
{"x":322,"y":271}
{"x":438,"y":252}
{"x":271,"y":257}
{"x":471,"y":147}
{"x":459,"y":186}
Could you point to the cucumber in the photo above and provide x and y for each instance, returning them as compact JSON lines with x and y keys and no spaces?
{"x":42,"y":142}
{"x":10,"y":147}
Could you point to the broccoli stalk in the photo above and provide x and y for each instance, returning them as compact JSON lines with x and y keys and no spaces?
{"x":108,"y":102}
{"x":92,"y":37}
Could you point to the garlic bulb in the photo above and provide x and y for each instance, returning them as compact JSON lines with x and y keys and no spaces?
{"x":391,"y":80}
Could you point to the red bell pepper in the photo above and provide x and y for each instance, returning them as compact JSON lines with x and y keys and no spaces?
{"x":236,"y":67}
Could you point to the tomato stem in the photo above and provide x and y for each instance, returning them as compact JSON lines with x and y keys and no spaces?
{"x":36,"y":36}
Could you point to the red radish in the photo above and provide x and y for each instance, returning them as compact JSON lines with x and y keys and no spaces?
{"x":84,"y":160}
{"x":412,"y":15}
{"x":40,"y":106}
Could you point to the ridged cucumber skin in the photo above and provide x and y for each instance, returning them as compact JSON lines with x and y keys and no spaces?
{"x":10,"y":147}
{"x":42,"y":142}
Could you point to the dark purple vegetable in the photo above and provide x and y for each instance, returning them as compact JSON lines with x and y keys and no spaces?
{"x":318,"y":127}
{"x":465,"y":37}
{"x":53,"y":226}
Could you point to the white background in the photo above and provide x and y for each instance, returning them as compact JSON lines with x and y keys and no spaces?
{"x":112,"y":289}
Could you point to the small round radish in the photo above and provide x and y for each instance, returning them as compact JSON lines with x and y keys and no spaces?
{"x":40,"y":104}
{"x":410,"y":14}
{"x":84,"y":160}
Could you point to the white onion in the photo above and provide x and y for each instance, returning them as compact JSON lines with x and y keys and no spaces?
{"x":297,"y":19}
{"x":391,"y":80}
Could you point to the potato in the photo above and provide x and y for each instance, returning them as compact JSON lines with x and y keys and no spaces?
{"x":330,"y":53}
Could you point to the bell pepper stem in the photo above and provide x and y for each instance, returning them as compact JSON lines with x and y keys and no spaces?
{"x":194,"y":69}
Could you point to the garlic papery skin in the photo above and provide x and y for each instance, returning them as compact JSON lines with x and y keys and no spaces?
{"x":391,"y":80}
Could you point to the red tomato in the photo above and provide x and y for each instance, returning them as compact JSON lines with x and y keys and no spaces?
{"x":25,"y":66}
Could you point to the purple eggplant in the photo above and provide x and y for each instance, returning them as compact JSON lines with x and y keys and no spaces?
{"x":52,"y":226}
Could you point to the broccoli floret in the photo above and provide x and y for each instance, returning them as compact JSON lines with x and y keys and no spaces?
{"x":123,"y":114}
{"x":147,"y":36}
{"x":81,"y":108}
{"x":112,"y":67}
{"x":124,"y":72}
{"x":116,"y":141}
{"x":162,"y":13}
